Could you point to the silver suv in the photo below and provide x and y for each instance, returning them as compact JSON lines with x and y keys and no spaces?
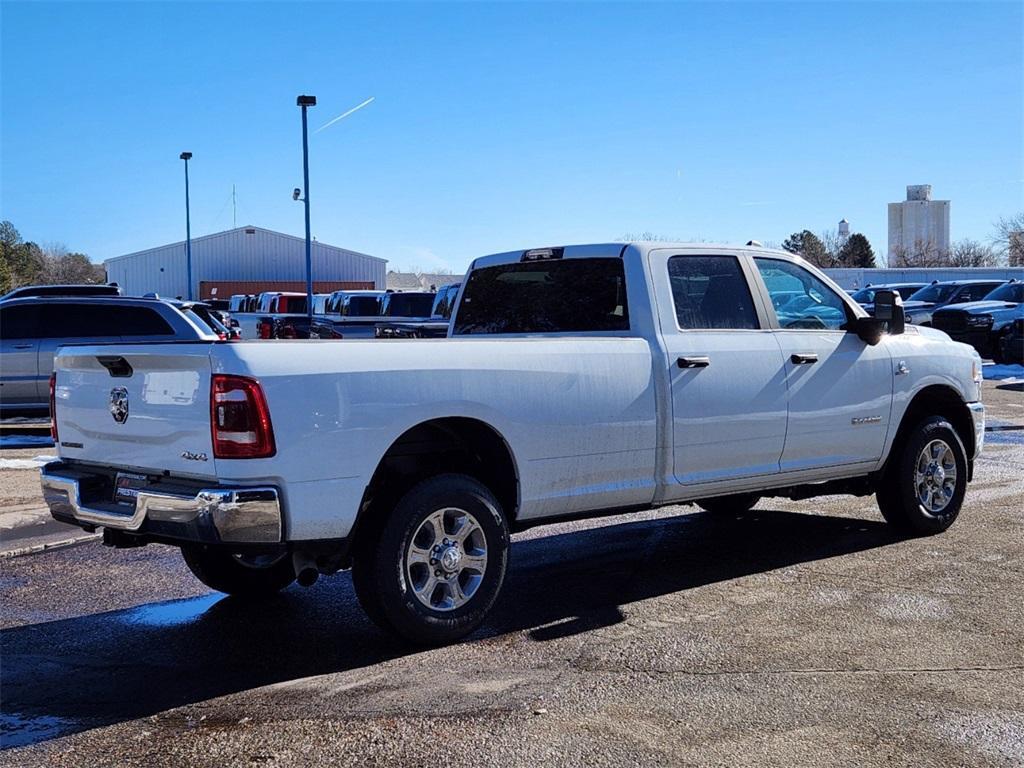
{"x":31,"y":330}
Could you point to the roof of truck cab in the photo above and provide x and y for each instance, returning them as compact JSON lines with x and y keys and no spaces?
{"x":615,"y":250}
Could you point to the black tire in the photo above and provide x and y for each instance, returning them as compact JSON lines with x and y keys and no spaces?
{"x":383,"y":578}
{"x":736,"y":504}
{"x":244,"y":576}
{"x":898,"y":494}
{"x":997,"y":347}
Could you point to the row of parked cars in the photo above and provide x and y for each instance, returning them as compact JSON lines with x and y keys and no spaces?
{"x":35,"y":321}
{"x":987,"y":314}
{"x":357,"y":314}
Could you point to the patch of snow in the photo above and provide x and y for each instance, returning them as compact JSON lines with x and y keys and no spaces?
{"x":1013,"y":374}
{"x":35,"y":463}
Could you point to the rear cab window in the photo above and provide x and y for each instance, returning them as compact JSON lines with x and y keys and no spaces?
{"x":362,"y":306}
{"x":575,"y":295}
{"x":408,"y":304}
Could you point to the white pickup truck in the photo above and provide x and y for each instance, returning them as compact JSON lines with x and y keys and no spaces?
{"x":575,"y":381}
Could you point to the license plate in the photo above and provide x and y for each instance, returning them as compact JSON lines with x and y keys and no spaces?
{"x":126,"y":487}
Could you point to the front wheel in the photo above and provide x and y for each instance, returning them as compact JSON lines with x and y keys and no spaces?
{"x":997,"y":347}
{"x":431,"y":572}
{"x":923,"y":487}
{"x":242,"y":575}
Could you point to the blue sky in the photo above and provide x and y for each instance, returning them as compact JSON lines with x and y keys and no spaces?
{"x":508,"y":125}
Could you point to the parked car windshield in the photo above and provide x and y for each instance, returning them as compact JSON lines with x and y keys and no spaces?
{"x":545,"y":297}
{"x":409,"y":304}
{"x":1013,"y":292}
{"x":933,"y":294}
{"x":864,"y":295}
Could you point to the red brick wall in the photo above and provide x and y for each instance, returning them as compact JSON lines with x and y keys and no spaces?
{"x":226,"y":288}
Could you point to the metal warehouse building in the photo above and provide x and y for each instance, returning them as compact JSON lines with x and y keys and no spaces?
{"x":244,"y":260}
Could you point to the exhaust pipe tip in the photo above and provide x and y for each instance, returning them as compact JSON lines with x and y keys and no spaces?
{"x":307,"y":577}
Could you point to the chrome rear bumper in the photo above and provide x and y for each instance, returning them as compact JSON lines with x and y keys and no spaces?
{"x":236,"y":515}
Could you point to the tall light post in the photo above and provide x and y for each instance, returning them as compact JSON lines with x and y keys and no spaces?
{"x":305,"y":102}
{"x":186,"y":156}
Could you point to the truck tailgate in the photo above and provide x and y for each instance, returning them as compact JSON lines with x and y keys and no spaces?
{"x":141,"y":406}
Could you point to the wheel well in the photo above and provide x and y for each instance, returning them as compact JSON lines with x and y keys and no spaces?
{"x":937,"y":400}
{"x":454,"y":444}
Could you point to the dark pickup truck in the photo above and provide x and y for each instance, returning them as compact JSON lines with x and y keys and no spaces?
{"x":922,"y":304}
{"x":433,"y":327}
{"x":982,"y":324}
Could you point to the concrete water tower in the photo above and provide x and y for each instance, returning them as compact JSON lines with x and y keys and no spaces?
{"x":844,"y":230}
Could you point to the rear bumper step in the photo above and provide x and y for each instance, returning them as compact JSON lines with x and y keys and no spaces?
{"x":238,"y":515}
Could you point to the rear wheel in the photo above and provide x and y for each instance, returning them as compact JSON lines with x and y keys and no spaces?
{"x":432,"y":571}
{"x":241,"y":575}
{"x":924,"y":485}
{"x":730,"y":505}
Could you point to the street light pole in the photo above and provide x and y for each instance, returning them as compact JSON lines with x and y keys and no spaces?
{"x":304,"y":102}
{"x":186,"y":156}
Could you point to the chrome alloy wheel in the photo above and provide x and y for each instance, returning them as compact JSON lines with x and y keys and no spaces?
{"x":935,"y":477}
{"x":446,"y":558}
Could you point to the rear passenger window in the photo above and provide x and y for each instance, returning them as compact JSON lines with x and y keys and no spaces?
{"x":90,"y":321}
{"x":710,"y":292}
{"x":19,"y":322}
{"x":551,"y":296}
{"x":139,"y":321}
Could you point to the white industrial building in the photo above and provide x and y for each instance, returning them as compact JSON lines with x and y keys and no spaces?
{"x":918,"y":224}
{"x":244,"y":260}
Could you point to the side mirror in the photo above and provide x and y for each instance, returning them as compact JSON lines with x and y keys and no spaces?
{"x":889,"y":309}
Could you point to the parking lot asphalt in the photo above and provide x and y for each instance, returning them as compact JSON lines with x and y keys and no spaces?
{"x":802,"y":633}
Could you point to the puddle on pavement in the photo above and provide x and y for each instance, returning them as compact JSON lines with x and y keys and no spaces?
{"x":170,"y":613}
{"x":18,"y":730}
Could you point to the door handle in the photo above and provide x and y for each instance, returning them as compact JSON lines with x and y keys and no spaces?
{"x":693,"y":362}
{"x":803,"y":359}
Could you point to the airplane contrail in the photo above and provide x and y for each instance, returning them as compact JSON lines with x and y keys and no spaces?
{"x":343,"y":115}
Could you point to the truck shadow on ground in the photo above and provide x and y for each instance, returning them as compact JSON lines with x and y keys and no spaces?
{"x":70,"y":675}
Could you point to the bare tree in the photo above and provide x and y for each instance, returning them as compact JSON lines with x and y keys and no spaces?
{"x":924,"y":253}
{"x":1008,"y":238}
{"x":833,"y":244}
{"x":971,"y":253}
{"x":61,"y":267}
{"x":1015,"y":253}
{"x":648,"y":236}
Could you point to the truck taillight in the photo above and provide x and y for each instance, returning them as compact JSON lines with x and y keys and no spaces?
{"x":239,"y":419}
{"x":53,"y":408}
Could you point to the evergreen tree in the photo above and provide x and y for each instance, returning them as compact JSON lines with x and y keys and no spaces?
{"x":857,"y":252}
{"x":794,"y":243}
{"x":809,"y":246}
